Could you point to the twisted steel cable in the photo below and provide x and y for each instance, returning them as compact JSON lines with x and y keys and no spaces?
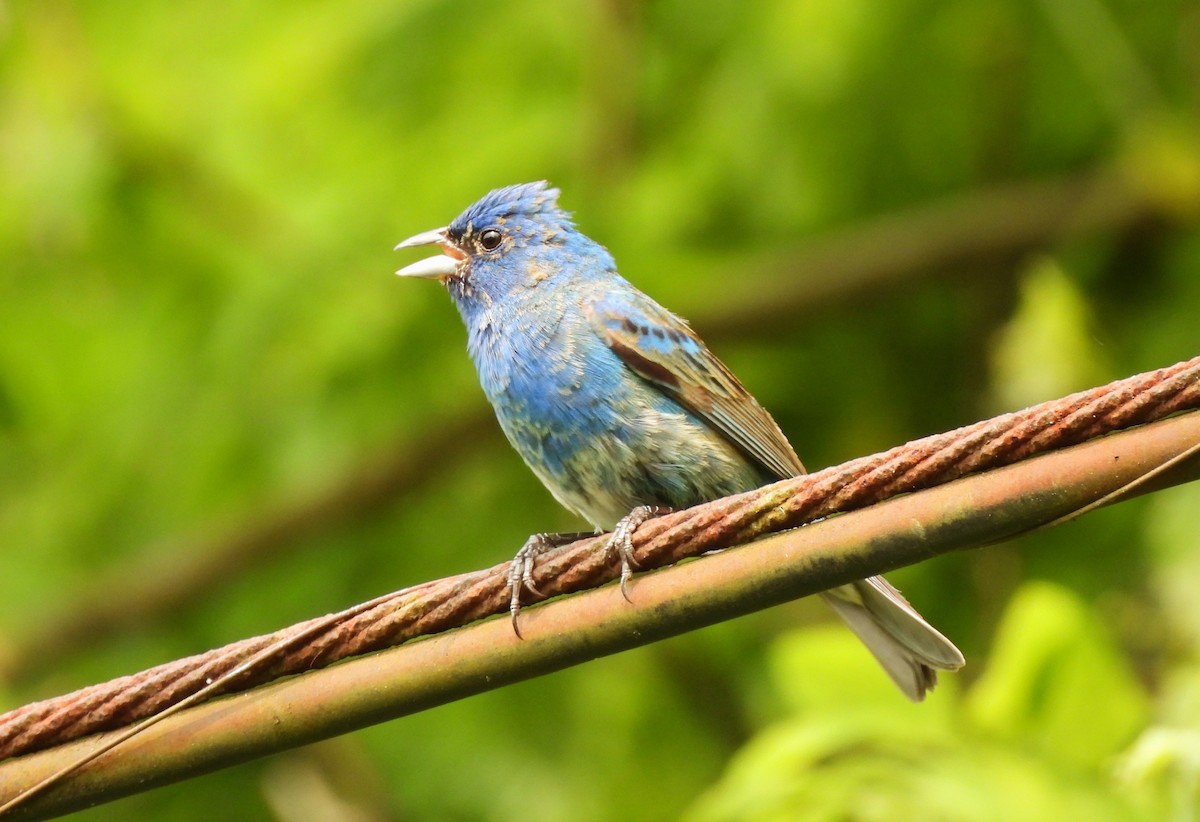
{"x":448,"y":603}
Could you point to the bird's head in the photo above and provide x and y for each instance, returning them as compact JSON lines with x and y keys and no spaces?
{"x":511,"y":239}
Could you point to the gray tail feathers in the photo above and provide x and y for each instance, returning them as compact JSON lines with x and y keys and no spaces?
{"x":909,"y":648}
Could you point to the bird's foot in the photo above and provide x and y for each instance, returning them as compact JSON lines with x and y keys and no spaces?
{"x":520,"y":573}
{"x":621,"y":541}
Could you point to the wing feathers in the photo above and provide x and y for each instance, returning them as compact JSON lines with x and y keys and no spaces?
{"x":661,"y":348}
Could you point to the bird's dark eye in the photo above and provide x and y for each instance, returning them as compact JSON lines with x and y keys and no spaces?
{"x":490,"y":239}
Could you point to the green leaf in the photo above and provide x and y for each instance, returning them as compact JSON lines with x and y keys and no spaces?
{"x":1054,"y":680}
{"x":1046,"y":349}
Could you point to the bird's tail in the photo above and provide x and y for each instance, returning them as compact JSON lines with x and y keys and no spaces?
{"x":909,"y":648}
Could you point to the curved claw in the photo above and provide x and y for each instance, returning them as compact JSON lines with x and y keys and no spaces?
{"x":621,"y":541}
{"x":520,"y":575}
{"x":520,"y":572}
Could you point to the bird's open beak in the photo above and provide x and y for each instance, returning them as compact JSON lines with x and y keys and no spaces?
{"x":432,"y":268}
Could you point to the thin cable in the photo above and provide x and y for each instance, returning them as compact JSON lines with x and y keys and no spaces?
{"x":448,"y":603}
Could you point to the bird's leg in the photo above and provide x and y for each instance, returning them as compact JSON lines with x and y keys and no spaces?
{"x":520,"y":573}
{"x":621,"y":541}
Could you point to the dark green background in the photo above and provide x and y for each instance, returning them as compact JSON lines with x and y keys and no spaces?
{"x":200,"y":333}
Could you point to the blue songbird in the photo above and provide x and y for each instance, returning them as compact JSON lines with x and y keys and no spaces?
{"x":616,"y":404}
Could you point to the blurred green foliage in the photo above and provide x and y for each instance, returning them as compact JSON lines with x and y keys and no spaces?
{"x":1024,"y":743}
{"x":198,"y":326}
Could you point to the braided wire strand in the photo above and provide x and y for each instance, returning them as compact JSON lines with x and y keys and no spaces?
{"x":443,"y":604}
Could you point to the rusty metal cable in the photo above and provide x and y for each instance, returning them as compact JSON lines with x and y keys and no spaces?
{"x":448,"y":603}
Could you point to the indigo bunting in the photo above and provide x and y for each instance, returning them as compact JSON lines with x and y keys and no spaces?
{"x":617,"y":406}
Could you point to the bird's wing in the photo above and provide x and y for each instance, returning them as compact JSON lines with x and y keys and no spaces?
{"x":662,"y":349}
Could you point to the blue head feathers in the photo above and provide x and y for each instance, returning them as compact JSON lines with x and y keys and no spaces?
{"x":528,"y":206}
{"x":506,"y":244}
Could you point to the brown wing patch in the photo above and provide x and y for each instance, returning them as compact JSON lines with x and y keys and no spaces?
{"x":692,"y":375}
{"x":645,"y":366}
